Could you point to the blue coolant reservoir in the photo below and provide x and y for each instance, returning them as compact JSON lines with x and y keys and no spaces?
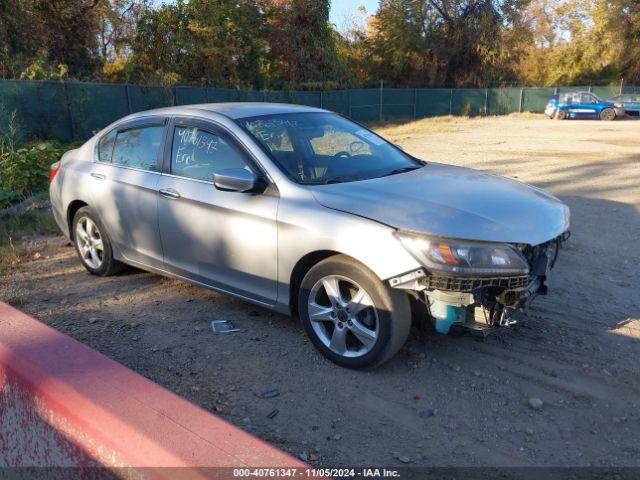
{"x":445,"y":315}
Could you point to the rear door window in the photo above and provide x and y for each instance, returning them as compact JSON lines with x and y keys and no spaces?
{"x":138,"y":147}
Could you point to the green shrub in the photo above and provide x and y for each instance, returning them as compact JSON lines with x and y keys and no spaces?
{"x":25,"y":171}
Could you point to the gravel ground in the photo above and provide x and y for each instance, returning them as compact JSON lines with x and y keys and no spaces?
{"x":562,"y":388}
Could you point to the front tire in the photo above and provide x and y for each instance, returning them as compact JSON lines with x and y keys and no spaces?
{"x":350,"y":316}
{"x":608,"y":114}
{"x":93,"y":245}
{"x":561,"y":115}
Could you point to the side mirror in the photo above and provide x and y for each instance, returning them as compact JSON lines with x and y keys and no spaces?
{"x":235,"y":180}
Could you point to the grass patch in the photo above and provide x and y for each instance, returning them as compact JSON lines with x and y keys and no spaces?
{"x":36,"y":221}
{"x":397,"y":132}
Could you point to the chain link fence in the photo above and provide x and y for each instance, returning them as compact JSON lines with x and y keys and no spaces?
{"x":74,"y":111}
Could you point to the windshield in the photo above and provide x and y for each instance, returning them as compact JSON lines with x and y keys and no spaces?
{"x":320,"y":148}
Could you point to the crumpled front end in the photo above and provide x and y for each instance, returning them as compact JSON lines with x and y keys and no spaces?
{"x":482,"y":303}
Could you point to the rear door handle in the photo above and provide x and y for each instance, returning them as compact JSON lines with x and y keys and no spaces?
{"x":99,"y":176}
{"x":169,"y":193}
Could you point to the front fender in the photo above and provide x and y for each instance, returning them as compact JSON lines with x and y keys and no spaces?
{"x":305,"y":227}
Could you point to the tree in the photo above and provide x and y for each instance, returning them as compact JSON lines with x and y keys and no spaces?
{"x":117,"y":25}
{"x":204,"y":42}
{"x":301,"y":49}
{"x":46,"y":36}
{"x":442,"y":42}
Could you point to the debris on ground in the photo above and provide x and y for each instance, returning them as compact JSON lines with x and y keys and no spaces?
{"x":270,"y":393}
{"x":536,"y":403}
{"x":221,"y":327}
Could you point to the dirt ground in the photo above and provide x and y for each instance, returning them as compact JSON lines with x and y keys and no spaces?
{"x":442,"y":401}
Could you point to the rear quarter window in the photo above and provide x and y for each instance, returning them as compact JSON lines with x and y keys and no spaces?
{"x":138,"y":147}
{"x":105,"y":146}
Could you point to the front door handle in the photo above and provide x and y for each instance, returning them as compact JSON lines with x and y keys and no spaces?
{"x":99,"y":176}
{"x":169,"y":193}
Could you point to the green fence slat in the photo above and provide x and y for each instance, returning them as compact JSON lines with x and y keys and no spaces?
{"x":398,"y":103}
{"x":310,"y":99}
{"x":398,"y":96}
{"x":147,"y":98}
{"x":94,"y":106}
{"x":432,"y":102}
{"x":216,"y":95}
{"x":365,"y":97}
{"x":47,"y":110}
{"x":535,"y":99}
{"x":583,"y":88}
{"x":365,"y":113}
{"x":336,"y":101}
{"x":468,"y":101}
{"x":503,"y":101}
{"x":606,"y":92}
{"x":365,"y":104}
{"x":41,"y":109}
{"x":251,"y":96}
{"x":191,"y":95}
{"x":397,"y":112}
{"x":277,"y":97}
{"x":11,"y":103}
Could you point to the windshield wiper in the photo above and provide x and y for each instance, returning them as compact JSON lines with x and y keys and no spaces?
{"x":401,"y":170}
{"x":353,"y":178}
{"x":340,"y":179}
{"x":337,"y":179}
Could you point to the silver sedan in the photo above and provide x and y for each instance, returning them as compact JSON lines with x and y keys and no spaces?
{"x":303,"y":211}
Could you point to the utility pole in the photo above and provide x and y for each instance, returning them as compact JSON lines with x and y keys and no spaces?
{"x":486,"y":101}
{"x":521,"y":100}
{"x":621,"y":84}
{"x":381,"y":93}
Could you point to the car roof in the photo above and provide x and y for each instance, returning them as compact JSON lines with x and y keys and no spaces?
{"x":234,"y":110}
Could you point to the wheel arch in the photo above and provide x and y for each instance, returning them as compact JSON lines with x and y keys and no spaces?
{"x":72,"y":209}
{"x":300,"y":269}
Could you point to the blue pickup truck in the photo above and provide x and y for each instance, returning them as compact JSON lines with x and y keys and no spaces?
{"x":582,"y":105}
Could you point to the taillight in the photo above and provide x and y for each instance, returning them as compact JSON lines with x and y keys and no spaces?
{"x":53,"y":170}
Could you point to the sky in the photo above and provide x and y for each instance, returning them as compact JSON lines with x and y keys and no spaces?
{"x":343,"y":9}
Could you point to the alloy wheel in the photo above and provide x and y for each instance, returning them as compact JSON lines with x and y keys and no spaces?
{"x":89,"y":242}
{"x":343,"y":316}
{"x":608,"y":114}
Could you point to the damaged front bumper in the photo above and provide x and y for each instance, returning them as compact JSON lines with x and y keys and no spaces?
{"x":481,"y":304}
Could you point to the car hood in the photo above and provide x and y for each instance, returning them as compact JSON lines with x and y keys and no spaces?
{"x":452,"y":202}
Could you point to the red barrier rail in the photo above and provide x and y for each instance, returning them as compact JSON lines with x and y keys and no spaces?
{"x":64,"y":404}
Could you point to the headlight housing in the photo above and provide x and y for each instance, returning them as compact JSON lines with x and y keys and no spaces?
{"x":462,"y":257}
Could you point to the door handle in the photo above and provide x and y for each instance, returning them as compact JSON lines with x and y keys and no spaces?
{"x":169,"y":193}
{"x":99,"y":176}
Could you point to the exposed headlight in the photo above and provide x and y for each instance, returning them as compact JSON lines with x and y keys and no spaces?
{"x":618,"y":105}
{"x":464,"y":257}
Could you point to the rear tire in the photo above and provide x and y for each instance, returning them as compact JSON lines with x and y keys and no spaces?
{"x":608,"y":114}
{"x":364,"y":324}
{"x":93,"y":244}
